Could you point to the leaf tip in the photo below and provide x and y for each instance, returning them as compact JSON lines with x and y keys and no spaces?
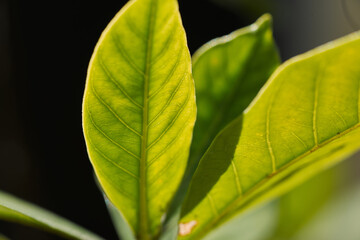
{"x":263,"y":23}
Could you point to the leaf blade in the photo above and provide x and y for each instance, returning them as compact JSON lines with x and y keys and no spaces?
{"x":17,"y":210}
{"x":290,"y":125}
{"x":228,"y":73}
{"x":139,"y":104}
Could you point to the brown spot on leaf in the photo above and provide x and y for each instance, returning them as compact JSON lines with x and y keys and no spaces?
{"x":186,"y":228}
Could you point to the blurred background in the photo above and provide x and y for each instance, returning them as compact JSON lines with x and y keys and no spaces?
{"x":45,"y":47}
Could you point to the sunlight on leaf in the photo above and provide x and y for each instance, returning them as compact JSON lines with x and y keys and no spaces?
{"x":139,"y":111}
{"x":304,"y":120}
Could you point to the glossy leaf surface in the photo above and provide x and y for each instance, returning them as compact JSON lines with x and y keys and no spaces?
{"x":16,"y":210}
{"x":229,"y":72}
{"x":139,"y":111}
{"x":305,"y":119}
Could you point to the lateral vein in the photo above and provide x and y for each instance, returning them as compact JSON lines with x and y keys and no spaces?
{"x":314,"y":124}
{"x":271,"y":153}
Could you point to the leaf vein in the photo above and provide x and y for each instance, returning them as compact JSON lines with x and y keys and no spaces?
{"x":112,"y":111}
{"x":340,"y":117}
{"x":112,"y":161}
{"x":212,"y":205}
{"x":237,"y":179}
{"x":166,"y":147}
{"x":168,"y":101}
{"x":270,"y":149}
{"x":117,"y":84}
{"x":171,"y":124}
{"x":314,"y":120}
{"x":122,"y":51}
{"x":167,"y":78}
{"x":299,"y":139}
{"x":166,"y":45}
{"x":108,"y":137}
{"x":135,"y":29}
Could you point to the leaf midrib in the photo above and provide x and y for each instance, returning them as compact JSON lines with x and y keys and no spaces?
{"x":143,"y":209}
{"x":236,"y":205}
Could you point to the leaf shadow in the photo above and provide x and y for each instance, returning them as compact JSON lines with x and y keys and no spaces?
{"x":213,"y":164}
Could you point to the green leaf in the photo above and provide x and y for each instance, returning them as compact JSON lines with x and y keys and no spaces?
{"x":139,"y":111}
{"x":229,"y":72}
{"x":305,"y":119}
{"x":16,"y":210}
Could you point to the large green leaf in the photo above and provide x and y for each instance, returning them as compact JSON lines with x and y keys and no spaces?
{"x":139,"y":110}
{"x":229,"y":72}
{"x":16,"y":210}
{"x":305,"y":119}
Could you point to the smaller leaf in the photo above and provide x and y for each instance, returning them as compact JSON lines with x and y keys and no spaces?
{"x":16,"y":210}
{"x":229,"y":71}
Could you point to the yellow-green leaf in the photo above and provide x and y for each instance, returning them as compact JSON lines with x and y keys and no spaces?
{"x":305,"y":119}
{"x":139,"y":111}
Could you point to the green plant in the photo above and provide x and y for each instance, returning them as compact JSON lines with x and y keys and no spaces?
{"x":139,"y":112}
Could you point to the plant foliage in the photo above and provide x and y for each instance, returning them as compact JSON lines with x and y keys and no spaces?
{"x":262,"y":127}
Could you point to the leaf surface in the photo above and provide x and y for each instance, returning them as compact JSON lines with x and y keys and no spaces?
{"x":139,"y":111}
{"x":305,"y":119}
{"x":16,"y":210}
{"x":229,"y":72}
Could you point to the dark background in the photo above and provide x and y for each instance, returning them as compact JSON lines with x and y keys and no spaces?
{"x":45,"y":47}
